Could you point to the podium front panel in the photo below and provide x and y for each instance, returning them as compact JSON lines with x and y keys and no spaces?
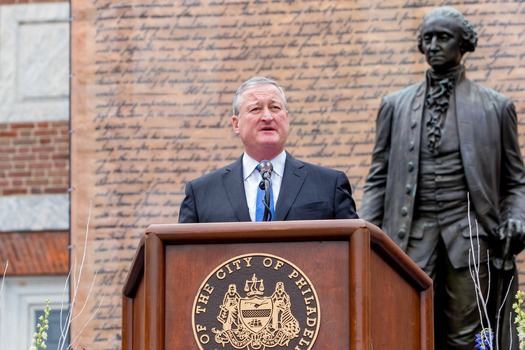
{"x":324,"y":263}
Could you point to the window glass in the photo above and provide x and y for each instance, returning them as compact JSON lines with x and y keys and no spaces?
{"x":53,"y":333}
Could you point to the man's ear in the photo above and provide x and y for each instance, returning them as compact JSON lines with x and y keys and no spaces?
{"x":235,"y":124}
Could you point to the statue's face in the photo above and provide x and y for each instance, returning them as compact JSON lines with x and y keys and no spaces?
{"x":441,"y":42}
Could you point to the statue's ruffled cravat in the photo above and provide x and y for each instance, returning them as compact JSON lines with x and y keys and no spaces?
{"x":440,"y":87}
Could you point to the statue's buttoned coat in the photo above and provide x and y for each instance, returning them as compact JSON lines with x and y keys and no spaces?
{"x":490,"y":152}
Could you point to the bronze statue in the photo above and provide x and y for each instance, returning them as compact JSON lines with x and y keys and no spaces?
{"x":438,"y":141}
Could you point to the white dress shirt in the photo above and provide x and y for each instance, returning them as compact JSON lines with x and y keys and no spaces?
{"x":252,"y":178}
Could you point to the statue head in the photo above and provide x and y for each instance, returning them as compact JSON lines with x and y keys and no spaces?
{"x":444,"y":37}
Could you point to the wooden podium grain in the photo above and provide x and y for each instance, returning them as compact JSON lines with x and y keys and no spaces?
{"x":372,"y":296}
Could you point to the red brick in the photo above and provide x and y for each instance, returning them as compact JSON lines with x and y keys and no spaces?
{"x":19,"y":174}
{"x":46,"y":149}
{"x":9,"y":192}
{"x":38,"y":173}
{"x":59,"y":173}
{"x":45,"y":132}
{"x":44,"y":165}
{"x":24,"y":157}
{"x":7,"y":150}
{"x":38,"y":182}
{"x":22,"y":125}
{"x":8,"y":134}
{"x":61,"y":139}
{"x":37,"y":1}
{"x":57,"y":181}
{"x":20,"y":166}
{"x":61,"y":156}
{"x":61,"y":165}
{"x":24,"y":141}
{"x":63,"y":148}
{"x":56,"y":190}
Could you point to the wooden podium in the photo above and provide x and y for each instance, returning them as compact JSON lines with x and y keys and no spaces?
{"x":370,"y":295}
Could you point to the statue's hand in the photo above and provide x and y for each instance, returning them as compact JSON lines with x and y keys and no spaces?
{"x":511,"y":227}
{"x":514,"y":231}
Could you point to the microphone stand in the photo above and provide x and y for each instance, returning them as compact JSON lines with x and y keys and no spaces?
{"x":265,"y":168}
{"x":267,"y":212}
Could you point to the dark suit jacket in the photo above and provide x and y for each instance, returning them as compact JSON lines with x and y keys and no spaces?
{"x":308,"y":192}
{"x":488,"y":138}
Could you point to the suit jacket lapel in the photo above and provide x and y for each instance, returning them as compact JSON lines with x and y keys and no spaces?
{"x":233,"y":183}
{"x":293,"y":179}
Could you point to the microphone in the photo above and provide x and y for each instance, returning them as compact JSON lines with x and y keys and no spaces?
{"x":265,"y":168}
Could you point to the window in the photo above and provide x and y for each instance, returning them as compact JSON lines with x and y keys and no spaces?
{"x":54,"y":332}
{"x":23,"y":301}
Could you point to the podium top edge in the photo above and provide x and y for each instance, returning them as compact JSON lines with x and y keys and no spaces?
{"x":343,"y":226}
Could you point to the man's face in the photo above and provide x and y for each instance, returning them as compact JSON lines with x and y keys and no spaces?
{"x":262,"y":122}
{"x":441,"y":43}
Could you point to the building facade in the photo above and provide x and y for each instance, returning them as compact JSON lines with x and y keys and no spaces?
{"x":34,"y":167}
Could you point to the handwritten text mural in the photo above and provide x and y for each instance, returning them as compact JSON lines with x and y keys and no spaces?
{"x":152,"y":86}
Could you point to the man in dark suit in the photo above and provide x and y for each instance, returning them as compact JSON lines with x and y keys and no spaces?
{"x":436,"y":141}
{"x":299,"y":190}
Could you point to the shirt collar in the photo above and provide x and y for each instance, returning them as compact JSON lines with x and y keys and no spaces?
{"x":249,"y":164}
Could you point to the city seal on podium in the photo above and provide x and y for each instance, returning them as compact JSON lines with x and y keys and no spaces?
{"x":256,"y":302}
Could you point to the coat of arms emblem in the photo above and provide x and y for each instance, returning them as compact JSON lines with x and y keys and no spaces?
{"x":256,"y":313}
{"x":256,"y":321}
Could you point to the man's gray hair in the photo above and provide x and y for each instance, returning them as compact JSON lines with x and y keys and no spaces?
{"x":469,"y":36}
{"x":251,"y":83}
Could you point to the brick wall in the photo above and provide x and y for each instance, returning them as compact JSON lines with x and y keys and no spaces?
{"x":34,"y":158}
